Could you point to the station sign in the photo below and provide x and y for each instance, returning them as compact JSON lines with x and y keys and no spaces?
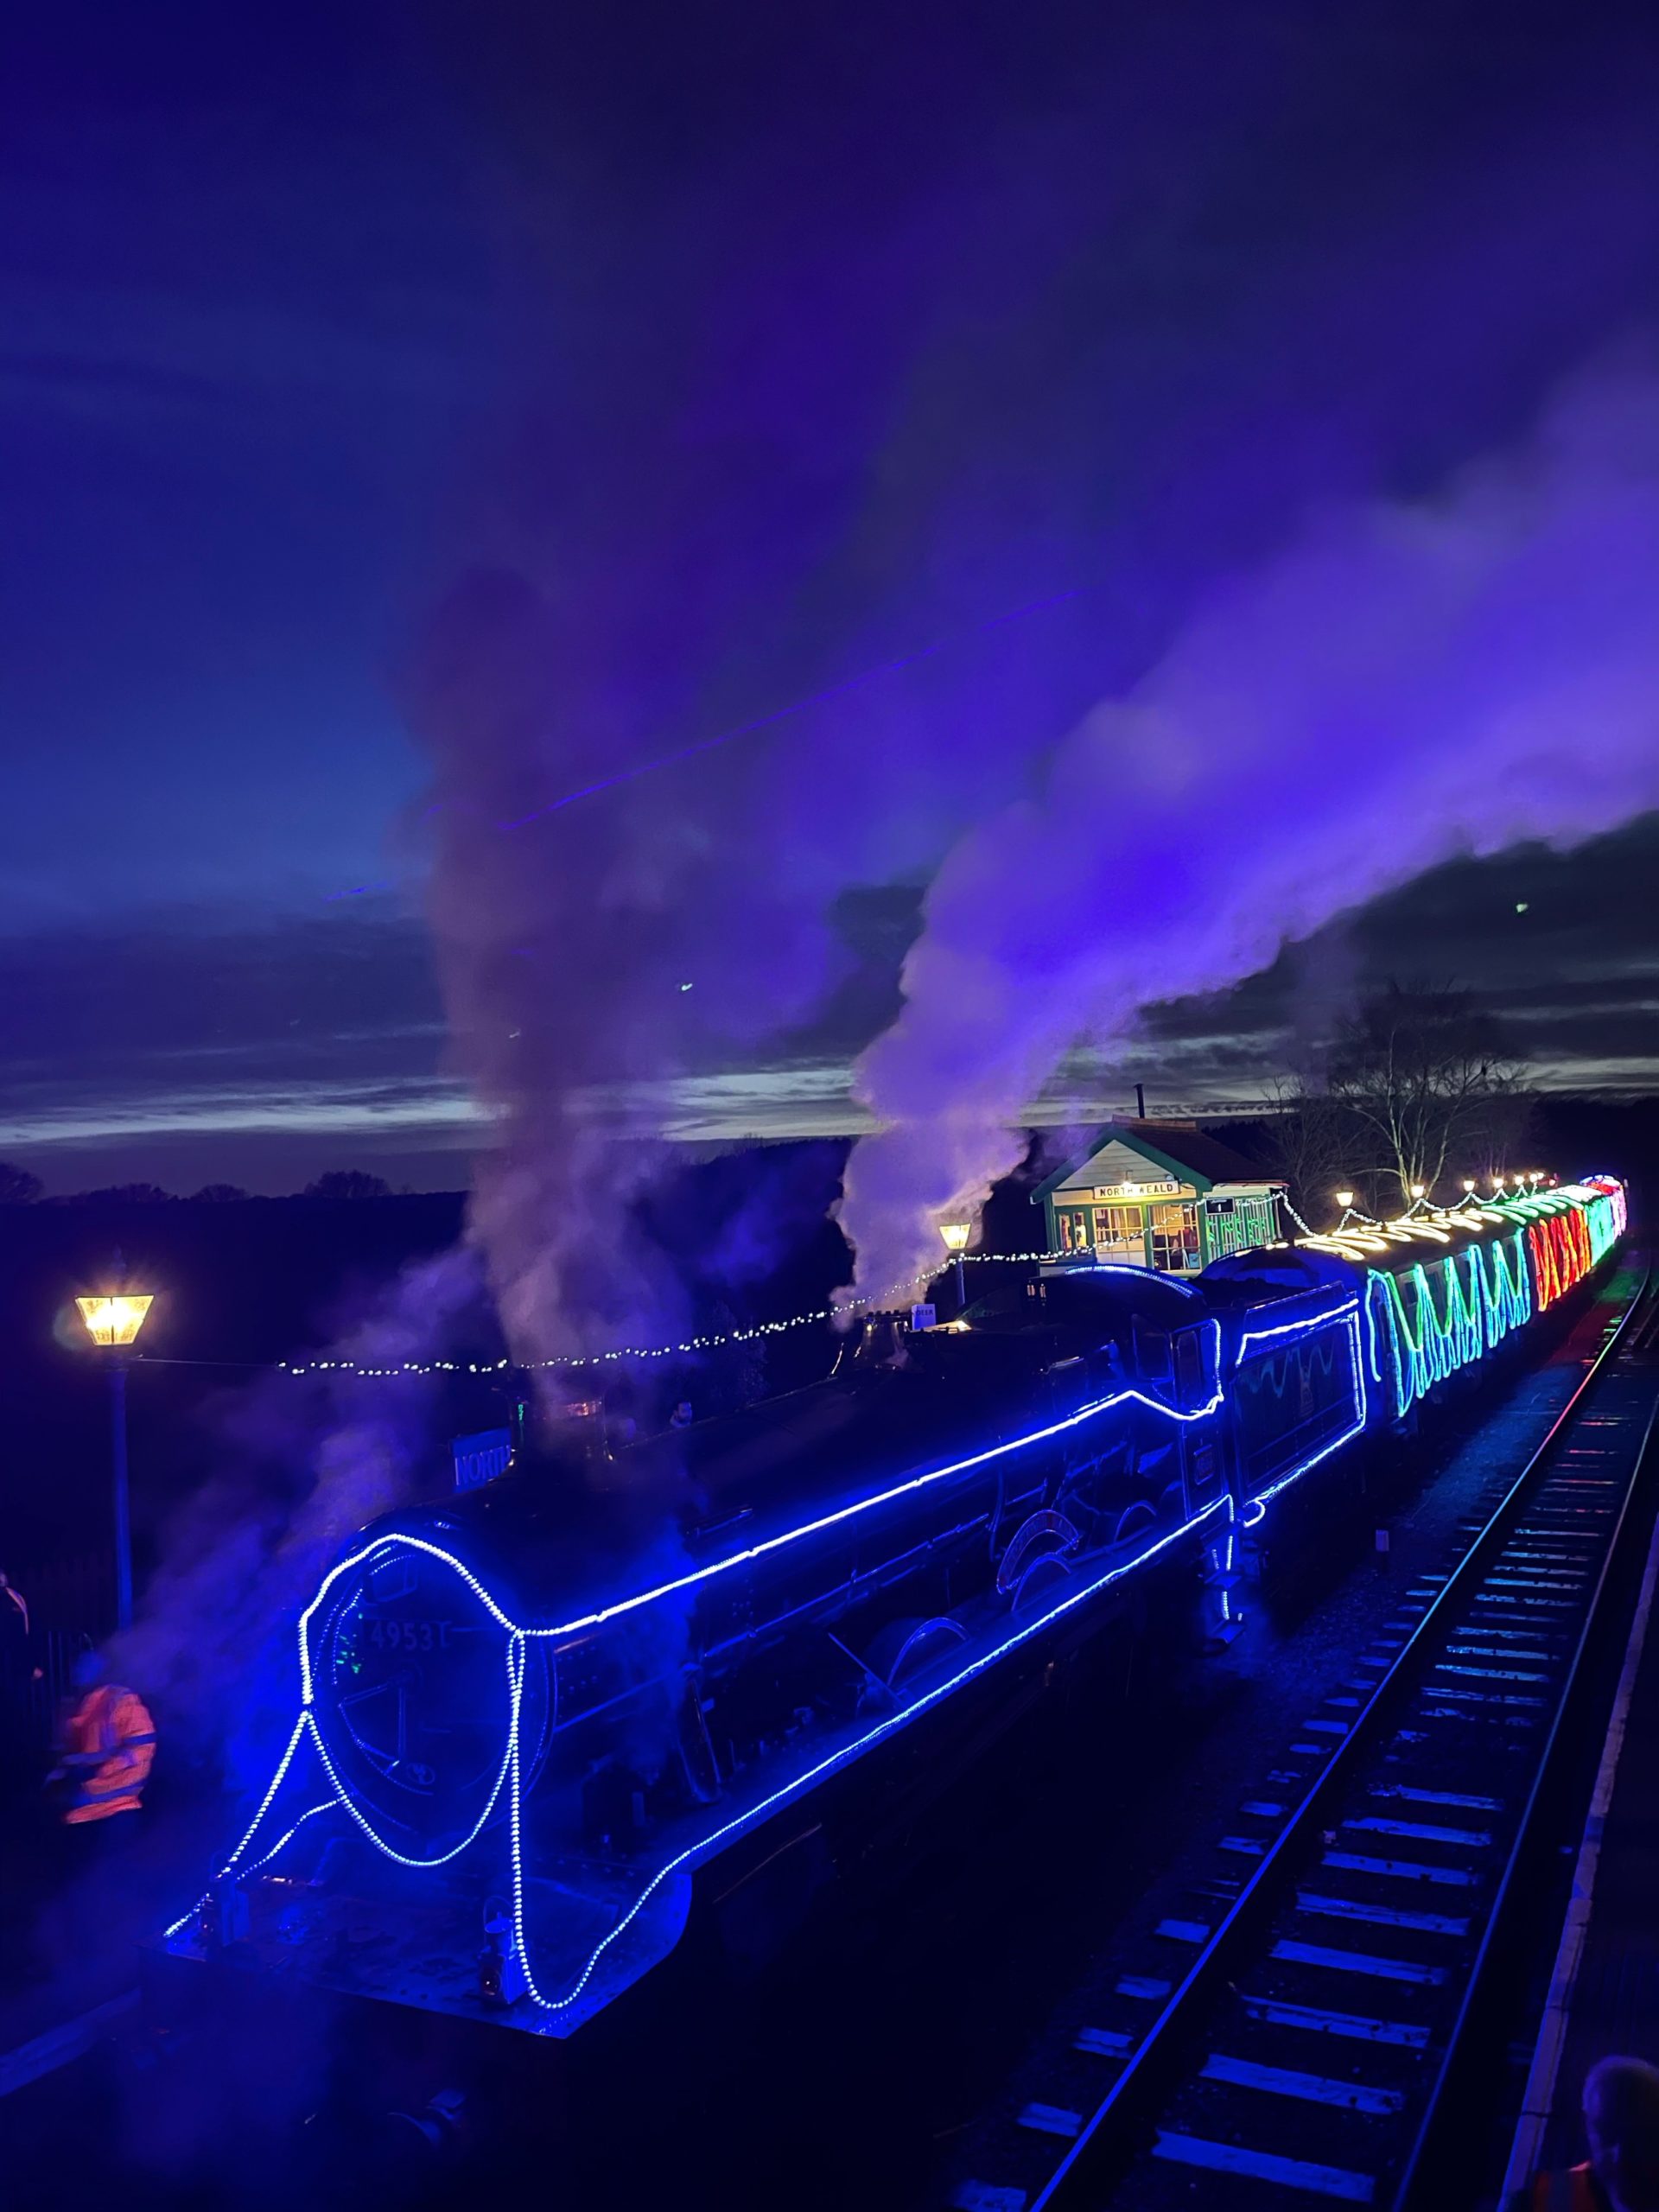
{"x":481,"y":1458}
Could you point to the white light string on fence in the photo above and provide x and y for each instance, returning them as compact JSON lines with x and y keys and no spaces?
{"x":685,"y":1346}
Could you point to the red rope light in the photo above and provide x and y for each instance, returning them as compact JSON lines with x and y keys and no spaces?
{"x":1561,"y":1255}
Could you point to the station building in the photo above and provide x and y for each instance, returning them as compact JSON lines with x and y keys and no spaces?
{"x":1159,"y":1195}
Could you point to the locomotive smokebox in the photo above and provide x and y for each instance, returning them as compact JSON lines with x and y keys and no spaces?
{"x":416,"y":1681}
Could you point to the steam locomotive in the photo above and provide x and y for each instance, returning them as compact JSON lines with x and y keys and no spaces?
{"x":538,"y":1712}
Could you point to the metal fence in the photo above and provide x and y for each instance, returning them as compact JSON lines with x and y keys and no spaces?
{"x":33,"y":1684}
{"x":68,"y":1603}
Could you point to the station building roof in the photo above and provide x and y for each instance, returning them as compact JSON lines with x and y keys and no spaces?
{"x":1180,"y":1151}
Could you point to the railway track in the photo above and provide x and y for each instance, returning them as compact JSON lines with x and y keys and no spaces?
{"x":1305,"y":2052}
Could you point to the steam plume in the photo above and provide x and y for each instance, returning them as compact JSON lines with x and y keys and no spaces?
{"x":304,"y":1463}
{"x":1405,"y":684}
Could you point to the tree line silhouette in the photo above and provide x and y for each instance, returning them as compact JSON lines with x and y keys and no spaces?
{"x":19,"y":1188}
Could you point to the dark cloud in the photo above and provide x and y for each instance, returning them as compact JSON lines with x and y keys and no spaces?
{"x":266,"y":1046}
{"x":1562,"y":947}
{"x":769,"y":346}
{"x":186,"y":1050}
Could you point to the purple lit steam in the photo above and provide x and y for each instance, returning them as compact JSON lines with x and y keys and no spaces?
{"x":1404,"y":686}
{"x":776,"y":418}
{"x":303,"y":1463}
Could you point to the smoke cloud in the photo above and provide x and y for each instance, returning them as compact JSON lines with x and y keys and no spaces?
{"x":305,"y":1462}
{"x":1408,"y":683}
{"x":893,"y":401}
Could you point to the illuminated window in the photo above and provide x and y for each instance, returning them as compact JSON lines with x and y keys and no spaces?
{"x":1175,"y":1248}
{"x":1072,"y":1223}
{"x":1119,"y":1232}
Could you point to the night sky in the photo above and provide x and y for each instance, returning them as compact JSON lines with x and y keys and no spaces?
{"x":304,"y":312}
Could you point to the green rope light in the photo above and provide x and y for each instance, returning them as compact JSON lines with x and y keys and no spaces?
{"x":1479,"y":1305}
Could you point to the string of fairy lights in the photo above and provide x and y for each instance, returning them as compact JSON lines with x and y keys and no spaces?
{"x":687,"y":1347}
{"x":707,"y":1341}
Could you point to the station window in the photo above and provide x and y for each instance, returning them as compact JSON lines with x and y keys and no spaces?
{"x":1119,"y":1232}
{"x":1071,"y":1224}
{"x":1175,"y":1248}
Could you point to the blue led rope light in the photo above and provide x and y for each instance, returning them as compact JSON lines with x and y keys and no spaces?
{"x":283,"y":1765}
{"x":1184,"y":1416}
{"x":517,"y":1635}
{"x":517,"y":1652}
{"x":1481,"y":1309}
{"x":1302,"y":1328}
{"x":1254,"y":1510}
{"x":707,"y":1844}
{"x":327,"y":1806}
{"x":443,"y":1858}
{"x":276,"y":1783}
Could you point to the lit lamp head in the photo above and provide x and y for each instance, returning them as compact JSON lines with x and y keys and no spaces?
{"x":955,"y":1234}
{"x":1419,"y":1189}
{"x":1469,"y":1186}
{"x":114,"y":1321}
{"x":1344,"y":1200}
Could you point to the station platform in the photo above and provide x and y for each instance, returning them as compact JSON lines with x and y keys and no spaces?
{"x":1604,"y":1992}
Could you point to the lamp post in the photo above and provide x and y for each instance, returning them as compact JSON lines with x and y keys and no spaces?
{"x":1344,"y":1200}
{"x":114,"y":1324}
{"x":955,"y":1234}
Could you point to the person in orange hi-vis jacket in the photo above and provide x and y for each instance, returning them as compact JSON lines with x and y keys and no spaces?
{"x":1621,"y":2120}
{"x":107,"y":1747}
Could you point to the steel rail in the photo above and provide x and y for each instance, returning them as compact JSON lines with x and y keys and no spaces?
{"x":1454,"y":2053}
{"x":1109,"y":2141}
